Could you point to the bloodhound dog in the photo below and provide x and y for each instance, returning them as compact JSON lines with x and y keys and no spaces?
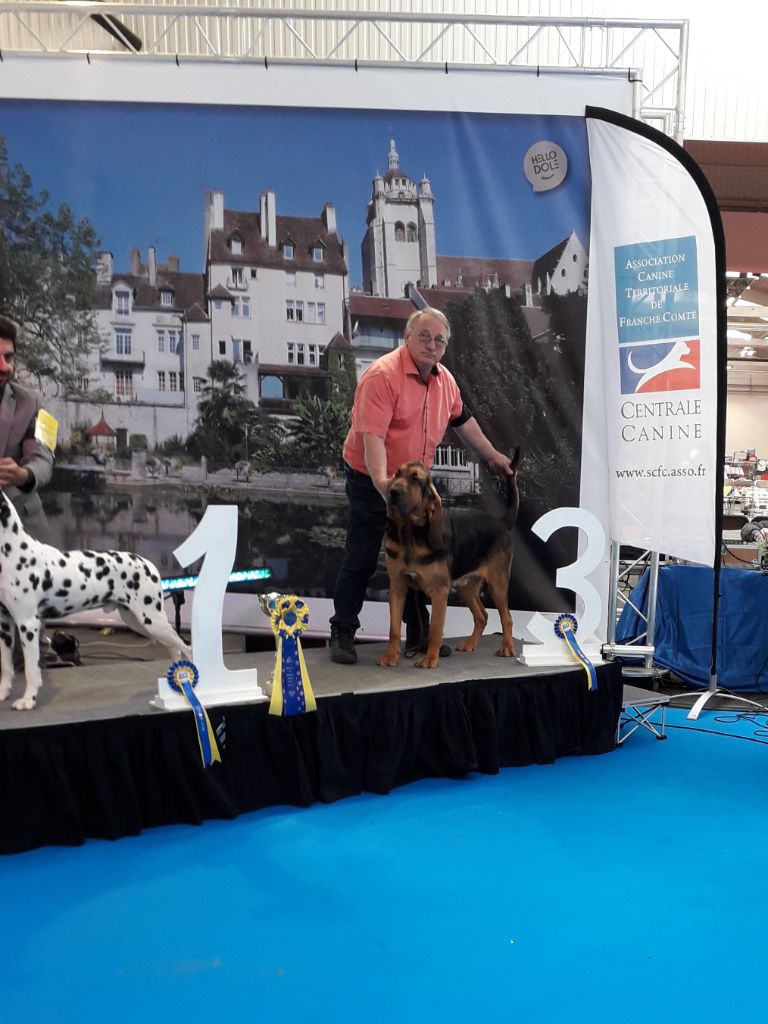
{"x":429,"y":549}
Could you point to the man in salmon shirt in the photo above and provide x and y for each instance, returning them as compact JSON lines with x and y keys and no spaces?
{"x":404,"y":403}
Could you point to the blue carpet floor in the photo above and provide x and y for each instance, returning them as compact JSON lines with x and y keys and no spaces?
{"x":625,"y":888}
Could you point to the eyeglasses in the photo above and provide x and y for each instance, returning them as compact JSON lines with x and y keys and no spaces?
{"x":440,"y":340}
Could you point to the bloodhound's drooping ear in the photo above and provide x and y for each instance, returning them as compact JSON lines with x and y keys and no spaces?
{"x":434,"y":510}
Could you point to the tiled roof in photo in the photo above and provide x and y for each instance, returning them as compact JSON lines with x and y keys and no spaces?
{"x":380,"y":308}
{"x":188,"y":291}
{"x":304,"y":233}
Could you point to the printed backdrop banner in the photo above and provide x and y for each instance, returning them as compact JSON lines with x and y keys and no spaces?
{"x":653,"y":316}
{"x":221,"y":328}
{"x":227,"y":377}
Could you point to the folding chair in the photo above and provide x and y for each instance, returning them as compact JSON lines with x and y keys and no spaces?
{"x":638,"y":708}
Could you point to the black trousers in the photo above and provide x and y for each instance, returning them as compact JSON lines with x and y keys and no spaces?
{"x":366,"y":522}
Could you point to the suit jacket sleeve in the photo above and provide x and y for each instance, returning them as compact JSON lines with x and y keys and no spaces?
{"x":38,"y":458}
{"x":33,"y":454}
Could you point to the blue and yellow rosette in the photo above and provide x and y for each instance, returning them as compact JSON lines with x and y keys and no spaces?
{"x":183,"y":677}
{"x":291,"y":689}
{"x":565,"y":627}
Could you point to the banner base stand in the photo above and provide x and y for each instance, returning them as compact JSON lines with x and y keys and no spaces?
{"x":698,"y":707}
{"x":243,"y":691}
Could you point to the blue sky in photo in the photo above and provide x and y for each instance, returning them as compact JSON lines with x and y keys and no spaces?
{"x":139,"y":171}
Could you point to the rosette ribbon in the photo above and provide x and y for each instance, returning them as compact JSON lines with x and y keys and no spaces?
{"x":183,"y":677}
{"x":291,"y":689}
{"x":565,"y":627}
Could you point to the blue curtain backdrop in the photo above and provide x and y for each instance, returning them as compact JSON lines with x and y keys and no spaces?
{"x":683,"y":637}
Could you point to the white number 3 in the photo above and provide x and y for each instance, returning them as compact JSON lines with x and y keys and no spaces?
{"x":589,"y":605}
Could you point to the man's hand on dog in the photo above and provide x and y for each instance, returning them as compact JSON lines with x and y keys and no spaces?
{"x":382,"y":486}
{"x":500,"y":464}
{"x":12,"y":474}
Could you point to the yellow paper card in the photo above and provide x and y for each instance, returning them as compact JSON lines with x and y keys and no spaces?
{"x":46,"y":429}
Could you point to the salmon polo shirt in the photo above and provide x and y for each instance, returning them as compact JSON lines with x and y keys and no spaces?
{"x":411,"y":415}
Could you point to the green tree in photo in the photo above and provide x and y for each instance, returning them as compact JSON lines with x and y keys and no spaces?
{"x":46,"y":278}
{"x":523,"y":390}
{"x":267,"y":444}
{"x":173,"y":445}
{"x":342,"y":377}
{"x":223,"y":400}
{"x":317,"y":434}
{"x":490,"y":356}
{"x":224,"y":414}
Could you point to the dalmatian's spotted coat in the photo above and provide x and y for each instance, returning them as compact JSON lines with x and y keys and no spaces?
{"x":38,"y":581}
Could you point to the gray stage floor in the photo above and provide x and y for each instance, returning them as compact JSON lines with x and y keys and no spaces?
{"x":119,"y":675}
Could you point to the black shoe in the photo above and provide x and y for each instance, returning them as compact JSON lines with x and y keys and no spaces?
{"x":343,"y":645}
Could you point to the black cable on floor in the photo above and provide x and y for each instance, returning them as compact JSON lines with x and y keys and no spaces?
{"x":716,"y":732}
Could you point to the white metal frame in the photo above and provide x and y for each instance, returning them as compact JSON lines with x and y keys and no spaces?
{"x":617,"y":600}
{"x":652,"y":53}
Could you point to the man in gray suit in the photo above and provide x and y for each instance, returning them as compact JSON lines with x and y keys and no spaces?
{"x":26,"y":463}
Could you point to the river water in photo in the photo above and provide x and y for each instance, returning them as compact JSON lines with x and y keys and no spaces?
{"x":298,"y":536}
{"x":300,"y":540}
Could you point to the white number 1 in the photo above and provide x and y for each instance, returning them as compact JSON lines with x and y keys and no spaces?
{"x":215,"y":541}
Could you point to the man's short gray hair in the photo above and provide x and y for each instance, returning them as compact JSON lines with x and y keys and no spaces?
{"x":428,"y":311}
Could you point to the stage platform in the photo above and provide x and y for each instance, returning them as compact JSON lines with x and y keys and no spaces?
{"x":96,"y":760}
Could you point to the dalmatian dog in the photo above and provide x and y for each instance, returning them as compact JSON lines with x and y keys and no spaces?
{"x":38,"y":581}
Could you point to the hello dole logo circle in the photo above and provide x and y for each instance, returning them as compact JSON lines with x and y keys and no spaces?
{"x":545,"y":165}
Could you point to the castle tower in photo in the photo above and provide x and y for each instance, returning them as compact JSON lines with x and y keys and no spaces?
{"x":399,"y":244}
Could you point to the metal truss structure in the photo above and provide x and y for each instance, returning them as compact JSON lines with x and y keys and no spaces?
{"x":627,"y":566}
{"x":652,"y":53}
